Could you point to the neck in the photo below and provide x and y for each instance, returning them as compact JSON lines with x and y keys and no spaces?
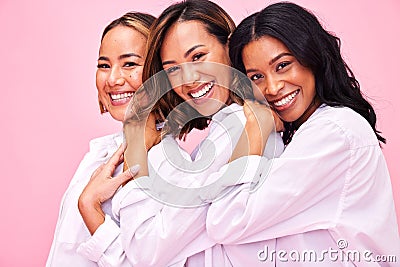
{"x":309,"y":111}
{"x":229,"y":101}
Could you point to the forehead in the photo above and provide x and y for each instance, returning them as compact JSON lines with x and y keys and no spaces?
{"x":122,"y":38}
{"x":267,"y":46}
{"x":181,"y":36}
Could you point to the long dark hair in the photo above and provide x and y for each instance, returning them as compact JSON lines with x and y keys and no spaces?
{"x":218,"y":23}
{"x":314,"y":48}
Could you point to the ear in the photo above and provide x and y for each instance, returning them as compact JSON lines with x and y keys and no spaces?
{"x":103,"y":108}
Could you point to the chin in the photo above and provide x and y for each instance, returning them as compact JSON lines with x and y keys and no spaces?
{"x":209,"y":111}
{"x":118,"y":116}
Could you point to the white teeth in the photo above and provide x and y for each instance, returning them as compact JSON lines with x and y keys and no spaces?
{"x":203,"y":91}
{"x":286,"y":100}
{"x":119,"y":97}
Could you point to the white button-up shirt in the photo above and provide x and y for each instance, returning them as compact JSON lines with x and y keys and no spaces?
{"x":153,"y":228}
{"x":70,"y":229}
{"x":329,"y":194}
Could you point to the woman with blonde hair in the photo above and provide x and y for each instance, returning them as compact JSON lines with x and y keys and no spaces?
{"x":118,"y":77}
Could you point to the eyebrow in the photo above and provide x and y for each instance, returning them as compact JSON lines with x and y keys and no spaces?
{"x":272,"y":61}
{"x":121,"y":56}
{"x":129,"y":55}
{"x":278,"y":57}
{"x":191,"y":49}
{"x":187,"y":53}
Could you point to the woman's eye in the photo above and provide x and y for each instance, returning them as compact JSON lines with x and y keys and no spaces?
{"x":197,"y":56}
{"x":130,"y":64}
{"x":103,"y":66}
{"x":172,"y":70}
{"x":256,"y":77}
{"x":282,"y":65}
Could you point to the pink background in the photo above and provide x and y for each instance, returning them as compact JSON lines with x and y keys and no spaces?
{"x":49,"y":109}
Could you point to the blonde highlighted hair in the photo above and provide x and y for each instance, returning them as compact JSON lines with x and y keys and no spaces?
{"x":138,"y":21}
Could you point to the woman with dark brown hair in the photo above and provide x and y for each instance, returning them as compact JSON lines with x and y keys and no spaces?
{"x":189,"y":85}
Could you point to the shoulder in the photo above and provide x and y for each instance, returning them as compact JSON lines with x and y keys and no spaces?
{"x":102,"y":142}
{"x":345,"y":122}
{"x":228,"y":110}
{"x":229,"y":114}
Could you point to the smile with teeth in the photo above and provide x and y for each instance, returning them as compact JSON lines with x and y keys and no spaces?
{"x":203,"y":91}
{"x":120,"y":97}
{"x":286,"y":99}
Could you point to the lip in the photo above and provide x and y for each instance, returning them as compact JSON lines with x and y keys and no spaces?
{"x":204,"y":98}
{"x":120,"y":98}
{"x":289,"y":100}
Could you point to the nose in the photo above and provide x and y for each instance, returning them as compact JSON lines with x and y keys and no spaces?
{"x":189,"y":74}
{"x":115,"y":77}
{"x":273,"y":86}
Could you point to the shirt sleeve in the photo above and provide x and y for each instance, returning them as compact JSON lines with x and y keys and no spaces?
{"x":298,"y":192}
{"x":129,"y":243}
{"x":148,"y":228}
{"x":157,"y":231}
{"x":149,"y":232}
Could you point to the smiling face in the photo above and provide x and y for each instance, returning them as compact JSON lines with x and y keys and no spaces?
{"x":203,"y":84}
{"x":120,"y":66}
{"x":288,"y":86}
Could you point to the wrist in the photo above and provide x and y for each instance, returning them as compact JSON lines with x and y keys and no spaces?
{"x":257,"y":138}
{"x":92,"y":213}
{"x":88,"y":203}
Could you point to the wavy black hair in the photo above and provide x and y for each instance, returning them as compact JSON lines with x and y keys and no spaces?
{"x":314,"y":48}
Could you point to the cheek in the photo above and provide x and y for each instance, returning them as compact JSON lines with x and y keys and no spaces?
{"x":224,"y":57}
{"x":310,"y":86}
{"x":225,"y":95}
{"x":306,"y":80}
{"x":179,"y":92}
{"x":223,"y":76}
{"x":100,"y":81}
{"x":135,"y":78}
{"x":227,"y":76}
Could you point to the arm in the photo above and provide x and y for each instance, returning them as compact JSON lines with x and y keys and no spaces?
{"x":295,"y":194}
{"x":139,"y":135}
{"x":69,"y":217}
{"x":259,"y":125}
{"x":173,"y":225}
{"x":145,"y":222}
{"x":101,"y":187}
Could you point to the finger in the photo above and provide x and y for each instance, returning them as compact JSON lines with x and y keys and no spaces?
{"x":115,"y":159}
{"x":124,"y":145}
{"x":134,"y":170}
{"x":247,"y":102}
{"x":279,"y":127}
{"x":247,"y":107}
{"x":98,"y":170}
{"x":127,"y":175}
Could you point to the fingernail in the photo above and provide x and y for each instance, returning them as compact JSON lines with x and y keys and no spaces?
{"x":124,"y":144}
{"x":134,"y":169}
